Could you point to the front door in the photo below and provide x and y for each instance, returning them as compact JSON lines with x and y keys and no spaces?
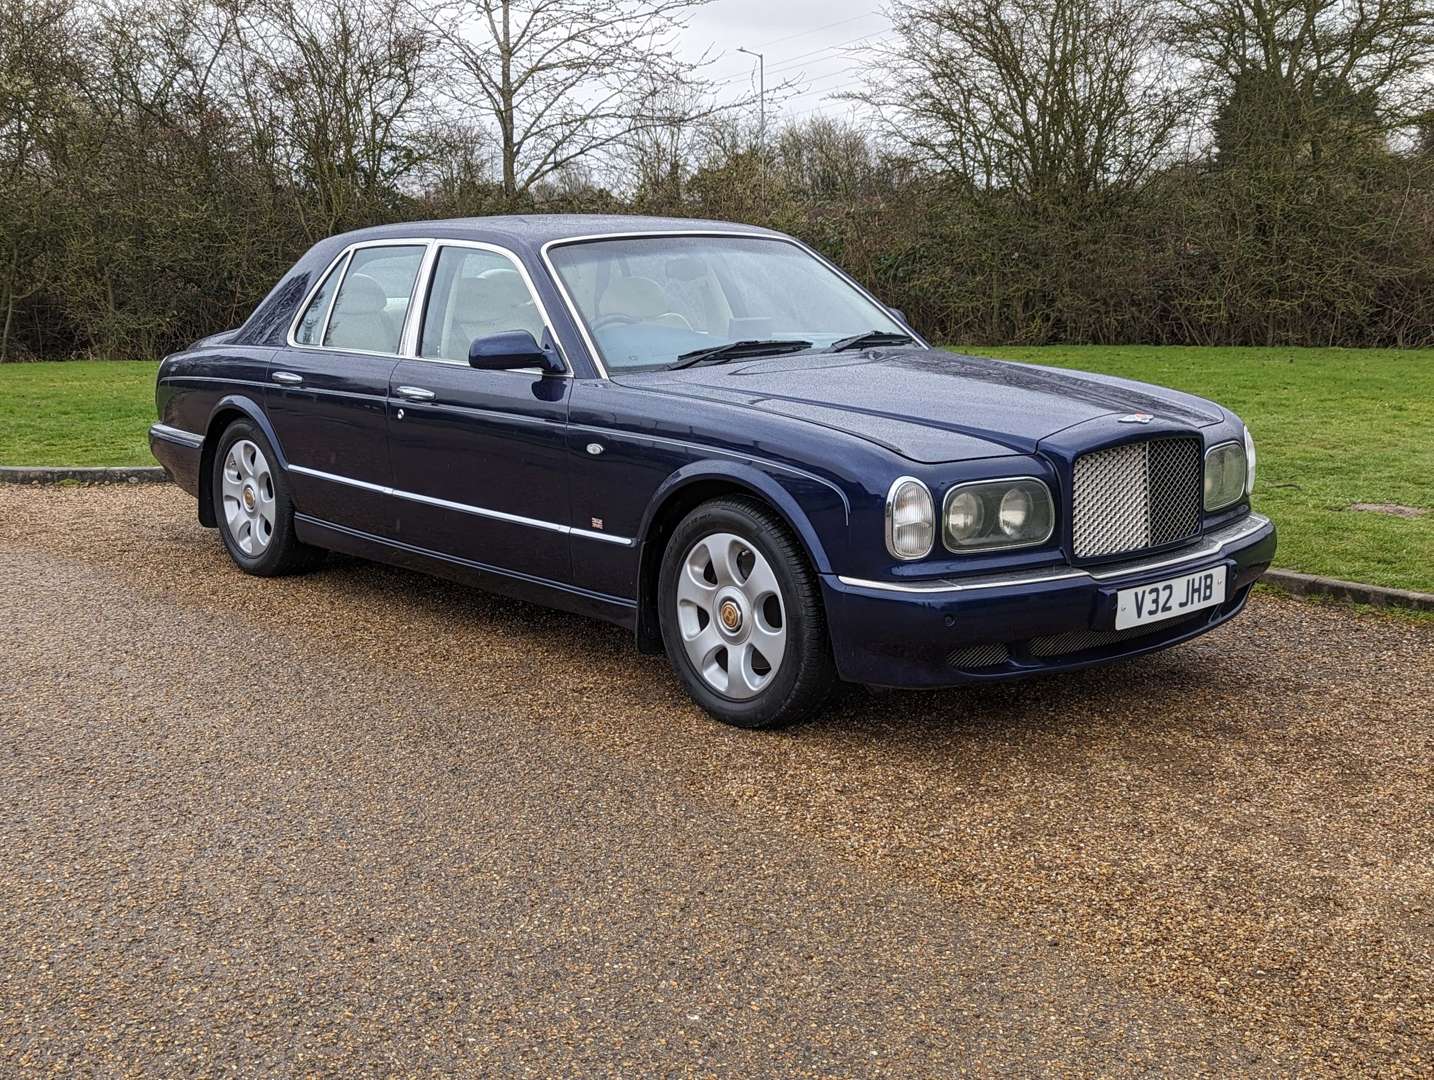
{"x":328,"y":392}
{"x":480,"y":457}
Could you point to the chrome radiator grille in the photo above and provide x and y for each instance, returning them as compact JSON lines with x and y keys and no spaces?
{"x":1141,"y":495}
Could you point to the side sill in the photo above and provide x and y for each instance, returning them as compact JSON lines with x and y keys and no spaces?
{"x":528,"y":587}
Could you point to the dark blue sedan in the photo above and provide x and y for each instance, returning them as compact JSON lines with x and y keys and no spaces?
{"x":710,"y":435}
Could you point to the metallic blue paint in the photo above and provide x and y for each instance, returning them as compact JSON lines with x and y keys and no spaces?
{"x":560,"y":489}
{"x":512,"y":349}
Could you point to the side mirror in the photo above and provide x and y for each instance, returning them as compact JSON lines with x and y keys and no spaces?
{"x":900,"y":315}
{"x":509,"y":350}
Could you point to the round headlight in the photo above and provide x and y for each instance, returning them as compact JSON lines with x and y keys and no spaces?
{"x":988,"y":514}
{"x":964,"y":515}
{"x":1015,"y":511}
{"x":910,"y":519}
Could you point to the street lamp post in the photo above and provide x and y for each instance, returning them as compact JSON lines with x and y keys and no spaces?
{"x":761,"y":117}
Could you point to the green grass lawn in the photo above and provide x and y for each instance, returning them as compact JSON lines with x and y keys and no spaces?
{"x":1333,"y":427}
{"x":76,"y":413}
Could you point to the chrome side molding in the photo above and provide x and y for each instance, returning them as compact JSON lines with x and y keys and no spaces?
{"x":176,"y":435}
{"x":465,"y":508}
{"x":1213,"y":543}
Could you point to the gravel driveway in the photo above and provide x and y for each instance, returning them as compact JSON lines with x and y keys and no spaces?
{"x":364,"y":822}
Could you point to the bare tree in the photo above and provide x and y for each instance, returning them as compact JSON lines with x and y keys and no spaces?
{"x":564,"y":80}
{"x":36,"y":76}
{"x":1035,"y":96}
{"x":1295,"y":77}
{"x":338,"y":87}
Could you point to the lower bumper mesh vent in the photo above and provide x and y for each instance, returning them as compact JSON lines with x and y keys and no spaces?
{"x":992,"y":654}
{"x":1079,"y":641}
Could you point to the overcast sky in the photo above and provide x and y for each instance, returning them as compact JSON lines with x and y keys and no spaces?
{"x":807,"y":42}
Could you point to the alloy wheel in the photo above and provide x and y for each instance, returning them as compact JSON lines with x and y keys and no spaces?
{"x":731,"y":615}
{"x":248,"y":490}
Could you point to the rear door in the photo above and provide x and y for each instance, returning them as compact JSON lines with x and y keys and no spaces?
{"x":328,"y":391}
{"x":480,"y":464}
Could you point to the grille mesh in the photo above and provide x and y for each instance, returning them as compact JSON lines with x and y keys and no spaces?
{"x":1136,"y":496}
{"x":1077,"y":641}
{"x":979,"y":656}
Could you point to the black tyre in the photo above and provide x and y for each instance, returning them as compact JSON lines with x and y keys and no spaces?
{"x":741,"y":616}
{"x":252,"y":505}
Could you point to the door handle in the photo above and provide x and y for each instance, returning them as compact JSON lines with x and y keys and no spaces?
{"x":288,"y":378}
{"x":414,"y":393}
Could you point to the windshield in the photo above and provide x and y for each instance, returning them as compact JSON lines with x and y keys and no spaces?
{"x":648,"y":301}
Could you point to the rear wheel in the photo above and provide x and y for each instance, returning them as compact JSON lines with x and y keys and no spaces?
{"x":742,"y":618}
{"x":252,"y":505}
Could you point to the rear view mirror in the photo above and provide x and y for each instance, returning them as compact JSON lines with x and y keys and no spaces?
{"x":509,"y":350}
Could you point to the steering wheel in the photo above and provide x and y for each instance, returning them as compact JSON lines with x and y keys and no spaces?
{"x":614,"y":318}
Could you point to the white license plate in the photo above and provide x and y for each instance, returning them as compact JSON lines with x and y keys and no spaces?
{"x":1167,"y":599}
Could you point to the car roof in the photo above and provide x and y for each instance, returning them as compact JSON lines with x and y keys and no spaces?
{"x":534,"y":230}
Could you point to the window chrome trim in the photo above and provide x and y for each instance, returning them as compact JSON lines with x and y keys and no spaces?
{"x":413,"y":317}
{"x":1213,"y":544}
{"x":581,"y":324}
{"x":340,"y":273}
{"x":954,"y":488}
{"x":429,"y":268}
{"x":408,"y":342}
{"x":345,"y":256}
{"x":477,"y":511}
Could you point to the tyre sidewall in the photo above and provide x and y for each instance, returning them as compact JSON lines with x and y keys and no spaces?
{"x":272,"y":559}
{"x":807,"y":646}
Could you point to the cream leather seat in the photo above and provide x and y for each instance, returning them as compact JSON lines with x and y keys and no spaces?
{"x":494,"y":302}
{"x":641,"y":299}
{"x":359,"y":320}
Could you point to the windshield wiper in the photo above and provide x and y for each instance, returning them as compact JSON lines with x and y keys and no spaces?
{"x":868,"y":339}
{"x":736,"y":350}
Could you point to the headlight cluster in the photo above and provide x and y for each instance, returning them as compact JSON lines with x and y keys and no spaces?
{"x":1002,"y":514}
{"x":997,"y":514}
{"x":1229,"y":473}
{"x":975,"y":517}
{"x":910,"y":519}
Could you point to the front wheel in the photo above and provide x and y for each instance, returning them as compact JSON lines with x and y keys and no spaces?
{"x":741,"y":616}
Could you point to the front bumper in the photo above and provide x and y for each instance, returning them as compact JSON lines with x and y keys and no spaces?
{"x":942,"y":633}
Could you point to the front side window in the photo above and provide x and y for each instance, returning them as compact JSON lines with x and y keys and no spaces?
{"x":647,"y":301}
{"x":475,"y":293}
{"x":373,"y":299}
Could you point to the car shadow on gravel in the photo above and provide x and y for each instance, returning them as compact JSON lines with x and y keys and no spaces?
{"x":928,"y":718}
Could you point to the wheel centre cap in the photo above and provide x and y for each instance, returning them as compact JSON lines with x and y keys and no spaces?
{"x":731,"y":615}
{"x":249,"y":499}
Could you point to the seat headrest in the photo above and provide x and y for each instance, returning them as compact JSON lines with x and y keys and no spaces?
{"x":640,"y":297}
{"x":490,"y":293}
{"x":360,"y":295}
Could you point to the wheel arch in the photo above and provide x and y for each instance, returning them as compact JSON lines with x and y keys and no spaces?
{"x":682,"y":493}
{"x":228,"y":409}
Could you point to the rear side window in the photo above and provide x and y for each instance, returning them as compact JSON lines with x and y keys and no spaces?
{"x":312,"y":324}
{"x":475,"y":293}
{"x":373,"y":299}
